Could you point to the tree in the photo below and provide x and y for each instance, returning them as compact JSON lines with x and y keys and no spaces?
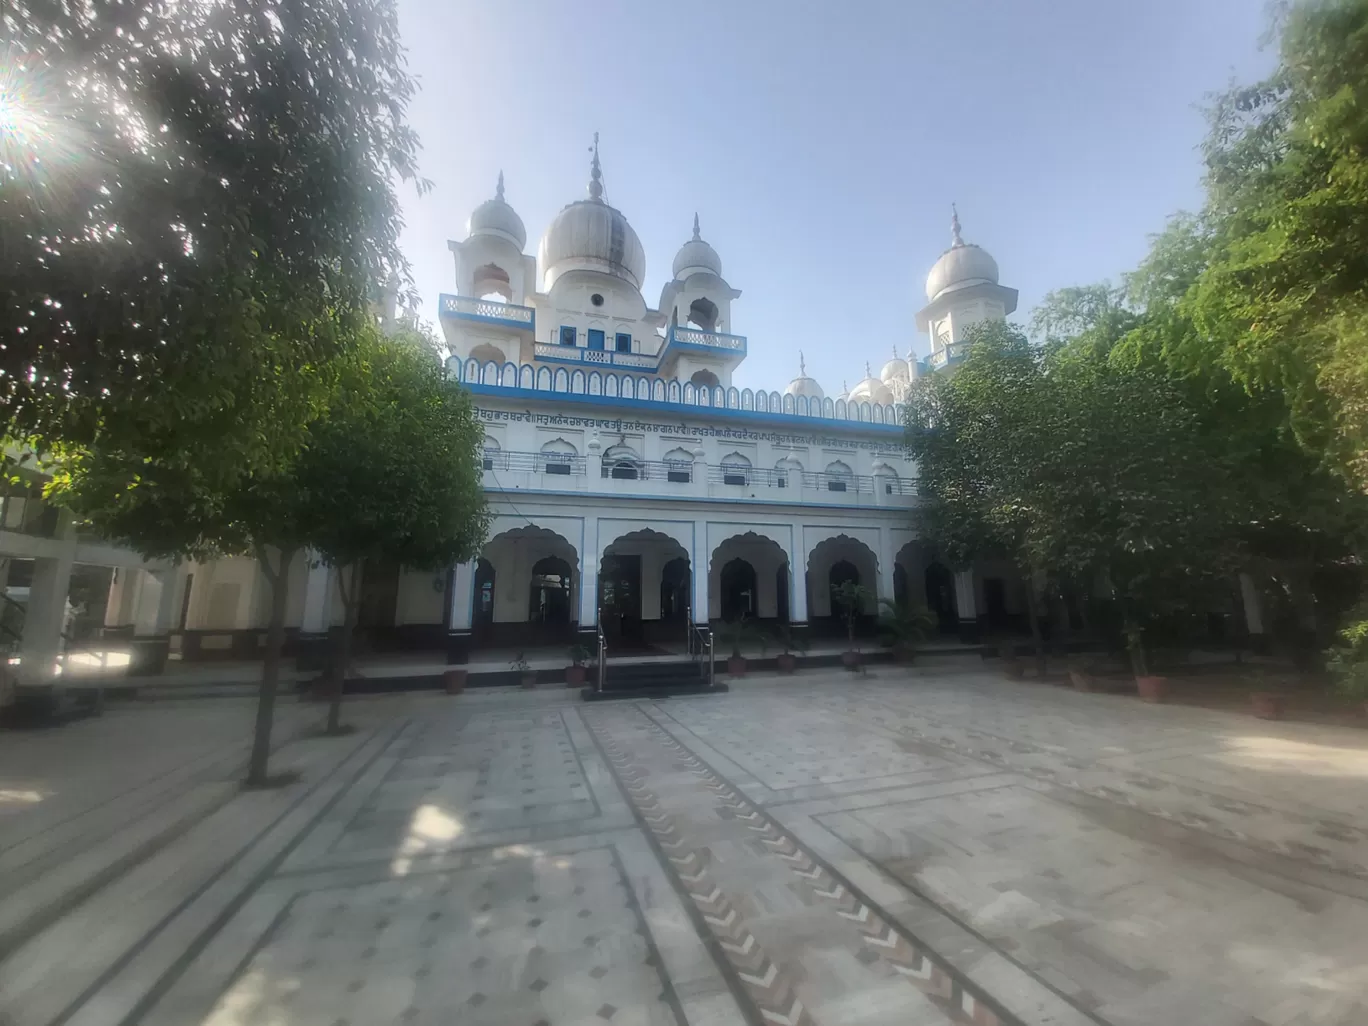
{"x":851,"y":598}
{"x":195,"y":202}
{"x":391,"y":475}
{"x":979,"y":436}
{"x":1280,"y":301}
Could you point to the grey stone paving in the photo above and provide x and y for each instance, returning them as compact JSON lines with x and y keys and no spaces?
{"x":911,"y":849}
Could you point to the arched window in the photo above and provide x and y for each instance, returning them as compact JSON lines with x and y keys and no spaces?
{"x":621,"y":463}
{"x":839,"y":477}
{"x":491,"y":452}
{"x":703,"y":314}
{"x":704,"y":378}
{"x":679,"y":466}
{"x":736,"y":469}
{"x":558,"y":457}
{"x":788,"y":473}
{"x":491,"y":283}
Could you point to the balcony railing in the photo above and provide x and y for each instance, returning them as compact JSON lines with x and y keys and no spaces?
{"x":562,"y":464}
{"x":679,"y":472}
{"x":598,"y":357}
{"x":953,"y":353}
{"x":488,"y":310}
{"x":711,"y":339}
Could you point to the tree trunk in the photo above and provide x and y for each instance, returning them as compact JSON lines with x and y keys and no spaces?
{"x":279,"y":582}
{"x":347,"y":578}
{"x":1033,"y":615}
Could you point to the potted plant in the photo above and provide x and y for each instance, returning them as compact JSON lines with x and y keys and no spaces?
{"x":789,"y":644}
{"x":736,"y":633}
{"x":850,"y":599}
{"x":454,"y":680}
{"x":1151,"y":687}
{"x":527,"y":677}
{"x":1348,"y":659}
{"x":901,"y":626}
{"x":1267,"y":706}
{"x":575,"y":672}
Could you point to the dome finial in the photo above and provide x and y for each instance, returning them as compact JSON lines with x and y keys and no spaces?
{"x":868,"y":373}
{"x":697,"y":238}
{"x":498,"y":190}
{"x":595,"y":175}
{"x":956,"y":238}
{"x":802,"y":365}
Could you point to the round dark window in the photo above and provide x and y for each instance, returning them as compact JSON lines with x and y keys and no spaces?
{"x":596,"y":299}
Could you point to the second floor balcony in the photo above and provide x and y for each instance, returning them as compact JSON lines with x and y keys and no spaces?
{"x":489,"y":312}
{"x":510,"y":471}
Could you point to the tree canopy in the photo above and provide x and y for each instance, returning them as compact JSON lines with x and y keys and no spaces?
{"x":196,"y":204}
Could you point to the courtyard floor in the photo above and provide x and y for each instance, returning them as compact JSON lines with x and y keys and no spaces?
{"x":938,"y":847}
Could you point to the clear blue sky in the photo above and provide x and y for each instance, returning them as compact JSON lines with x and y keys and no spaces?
{"x":823,"y":143}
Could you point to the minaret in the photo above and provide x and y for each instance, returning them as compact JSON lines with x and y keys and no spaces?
{"x":962,"y":289}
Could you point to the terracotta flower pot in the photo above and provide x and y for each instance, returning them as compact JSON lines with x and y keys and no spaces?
{"x":1152,"y":689}
{"x":850,"y":660}
{"x":1267,"y":706}
{"x":454,"y":681}
{"x":529,"y":681}
{"x":1081,"y":680}
{"x":788,"y":662}
{"x":574,"y":676}
{"x":736,"y":666}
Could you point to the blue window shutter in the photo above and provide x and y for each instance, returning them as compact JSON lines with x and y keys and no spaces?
{"x":624,"y":342}
{"x":595,"y":338}
{"x":567,"y":335}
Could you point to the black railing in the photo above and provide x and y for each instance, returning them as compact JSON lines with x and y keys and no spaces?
{"x":535,"y":462}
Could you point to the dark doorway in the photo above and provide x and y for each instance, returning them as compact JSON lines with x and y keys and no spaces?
{"x":737,"y":586}
{"x":482,"y":602}
{"x":781,"y":593}
{"x":995,"y":602}
{"x":841,"y":571}
{"x":899,"y":584}
{"x":940,"y":597}
{"x":620,"y":597}
{"x":549,"y":597}
{"x":674,"y":589}
{"x":379,"y":593}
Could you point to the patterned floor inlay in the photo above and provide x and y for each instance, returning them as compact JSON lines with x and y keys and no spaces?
{"x":804,"y":948}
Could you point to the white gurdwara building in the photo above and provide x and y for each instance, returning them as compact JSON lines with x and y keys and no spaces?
{"x":633,"y":485}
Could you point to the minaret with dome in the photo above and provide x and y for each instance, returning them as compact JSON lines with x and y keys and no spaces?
{"x":961,"y":290}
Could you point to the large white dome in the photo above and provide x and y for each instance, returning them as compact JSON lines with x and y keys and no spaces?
{"x":960,"y":266}
{"x":589,"y":235}
{"x":871,"y":389}
{"x":804,"y":385}
{"x":496,"y":217}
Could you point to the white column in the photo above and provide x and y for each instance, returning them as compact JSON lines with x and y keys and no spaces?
{"x":1253,"y":605}
{"x":45,"y":614}
{"x":698,"y":574}
{"x":462,"y":596}
{"x":797,"y":567}
{"x":589,"y":572}
{"x":885,"y":569}
{"x":317,"y":595}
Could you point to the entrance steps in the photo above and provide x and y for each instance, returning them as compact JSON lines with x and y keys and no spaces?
{"x":657,"y":679}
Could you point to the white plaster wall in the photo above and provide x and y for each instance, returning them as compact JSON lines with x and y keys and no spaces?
{"x":418,"y":600}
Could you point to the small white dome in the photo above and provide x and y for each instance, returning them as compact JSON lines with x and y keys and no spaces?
{"x":895,"y":369}
{"x":496,"y":217}
{"x":871,"y":389}
{"x":845,"y":392}
{"x":802,"y":384}
{"x":960,"y":266}
{"x":696,"y":255}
